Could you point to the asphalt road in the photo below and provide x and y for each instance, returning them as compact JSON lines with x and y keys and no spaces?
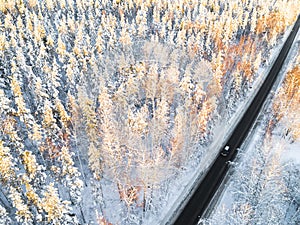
{"x":198,"y":202}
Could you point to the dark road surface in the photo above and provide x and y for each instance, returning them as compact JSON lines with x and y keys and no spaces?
{"x":198,"y":202}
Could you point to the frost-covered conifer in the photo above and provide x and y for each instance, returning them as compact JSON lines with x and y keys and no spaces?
{"x":23,"y":214}
{"x":56,"y":209}
{"x":6,"y":164}
{"x":4,"y":218}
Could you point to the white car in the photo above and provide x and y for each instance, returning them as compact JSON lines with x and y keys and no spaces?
{"x":225,"y":151}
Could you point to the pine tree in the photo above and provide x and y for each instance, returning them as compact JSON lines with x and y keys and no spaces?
{"x":4,"y":218}
{"x":23,"y":214}
{"x":6,"y":164}
{"x":54,"y":207}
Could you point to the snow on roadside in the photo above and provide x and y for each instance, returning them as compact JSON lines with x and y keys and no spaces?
{"x":292,"y":153}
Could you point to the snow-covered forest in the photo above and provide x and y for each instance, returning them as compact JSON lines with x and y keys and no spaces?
{"x":264,"y":186}
{"x":109,"y":107}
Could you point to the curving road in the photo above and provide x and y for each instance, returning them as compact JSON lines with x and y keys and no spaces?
{"x":198,"y":202}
